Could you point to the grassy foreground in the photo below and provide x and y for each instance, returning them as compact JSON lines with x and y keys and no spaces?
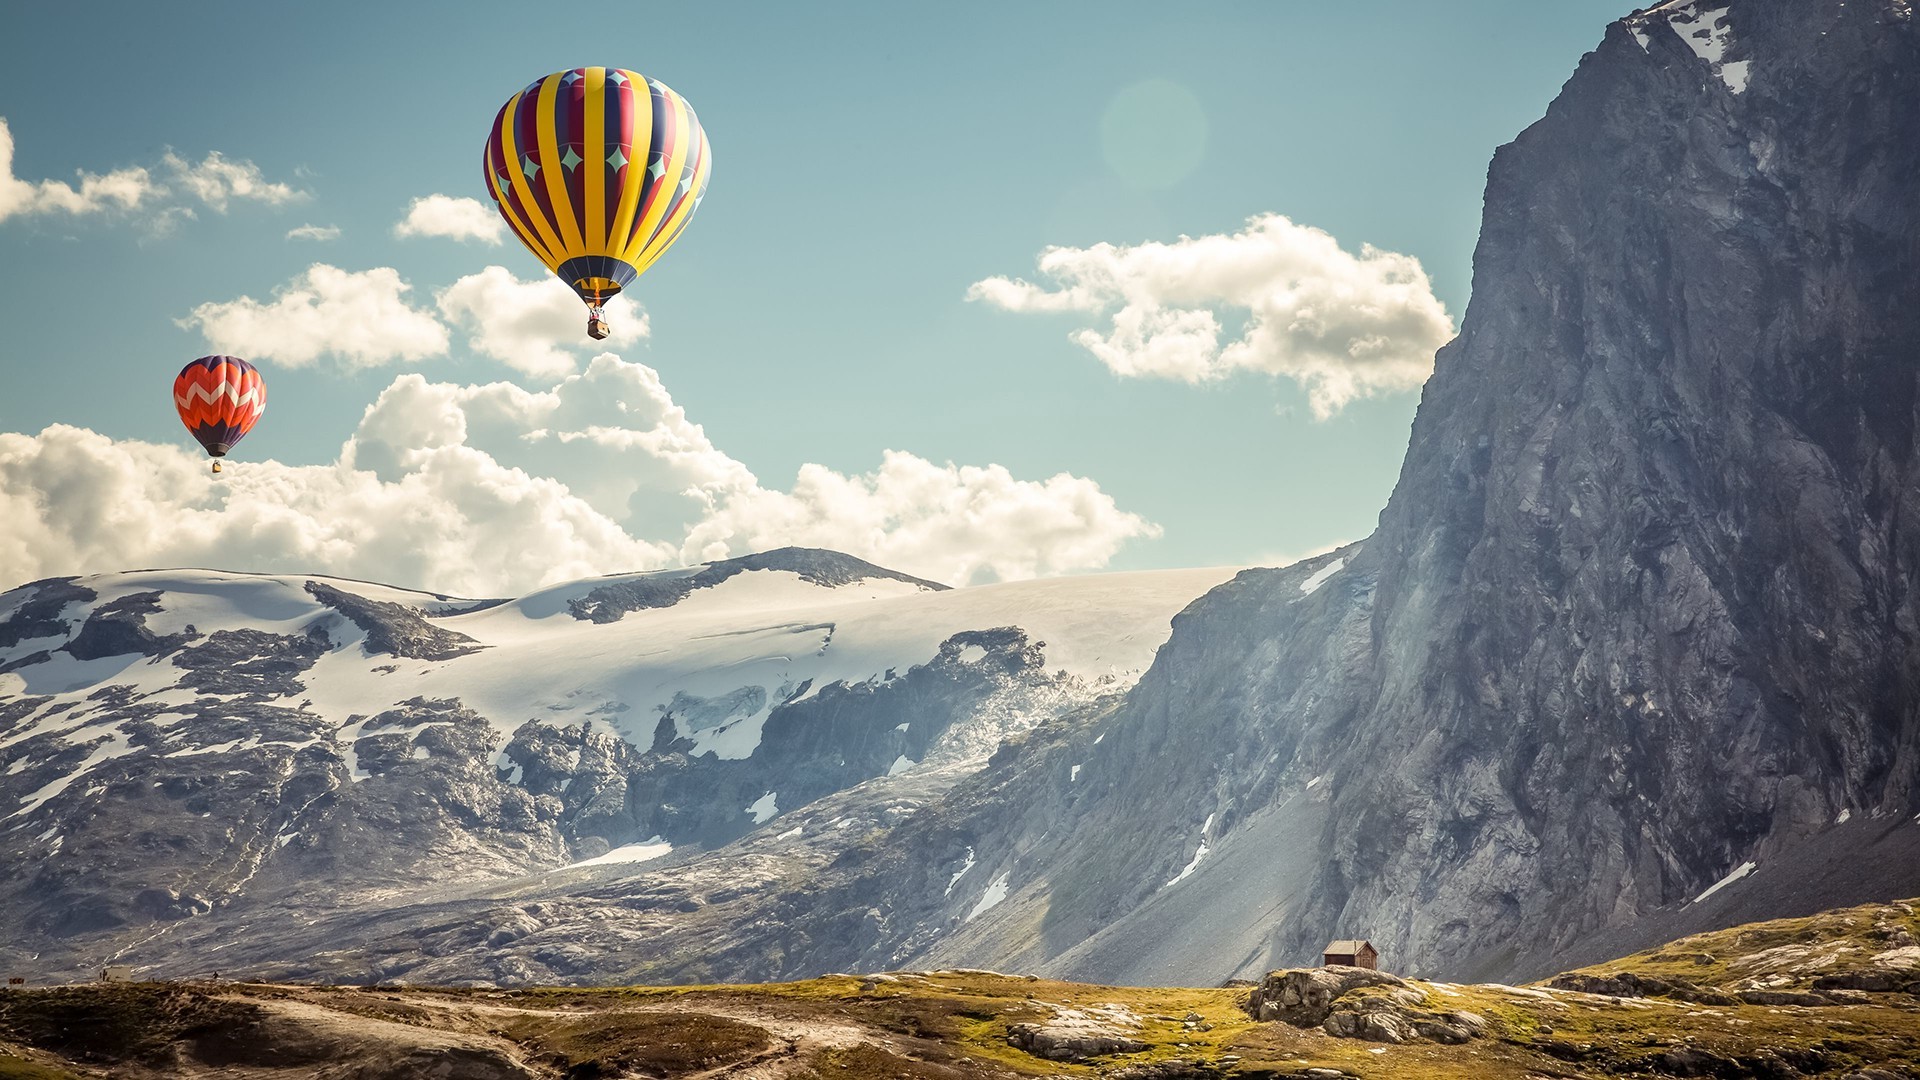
{"x":1833,"y":995}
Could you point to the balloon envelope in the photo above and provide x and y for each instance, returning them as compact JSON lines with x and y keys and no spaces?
{"x":597,"y":170}
{"x":219,"y":398}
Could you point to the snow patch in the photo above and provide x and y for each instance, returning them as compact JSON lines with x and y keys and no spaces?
{"x":215,"y":748}
{"x":627,"y":853}
{"x":996,"y":892}
{"x":763,"y":808}
{"x":902,"y":727}
{"x":1735,"y":74}
{"x":972,"y":654}
{"x":1739,"y":872}
{"x":955,"y":880}
{"x":901,"y":764}
{"x":116,"y":744}
{"x":1200,"y":853}
{"x":1706,"y":33}
{"x":1320,"y":576}
{"x":1074,"y":775}
{"x":421,"y":753}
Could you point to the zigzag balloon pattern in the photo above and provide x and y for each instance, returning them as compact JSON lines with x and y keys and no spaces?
{"x":219,"y":398}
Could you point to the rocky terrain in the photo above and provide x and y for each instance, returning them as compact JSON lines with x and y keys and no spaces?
{"x":1831,"y":996}
{"x":196,"y":765}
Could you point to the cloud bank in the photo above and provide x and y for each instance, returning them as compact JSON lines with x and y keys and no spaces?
{"x":495,"y":489}
{"x":1343,"y":326}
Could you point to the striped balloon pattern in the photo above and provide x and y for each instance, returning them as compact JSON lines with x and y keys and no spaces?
{"x":219,"y":398}
{"x":597,"y":171}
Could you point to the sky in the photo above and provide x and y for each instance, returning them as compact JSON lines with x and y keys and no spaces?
{"x":978,"y":292}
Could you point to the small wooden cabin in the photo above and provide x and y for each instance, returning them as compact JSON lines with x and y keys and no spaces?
{"x":1352,"y":954}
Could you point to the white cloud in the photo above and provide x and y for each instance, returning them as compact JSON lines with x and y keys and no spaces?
{"x":456,"y":218}
{"x":361,"y":317}
{"x":82,"y":502}
{"x":321,"y":233}
{"x":949,"y":522}
{"x":216,"y":180}
{"x":122,"y":189}
{"x":520,"y":323}
{"x":613,"y":433}
{"x":1344,"y":326}
{"x":494,"y":489}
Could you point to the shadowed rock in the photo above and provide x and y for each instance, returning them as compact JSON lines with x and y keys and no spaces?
{"x":394,"y":629}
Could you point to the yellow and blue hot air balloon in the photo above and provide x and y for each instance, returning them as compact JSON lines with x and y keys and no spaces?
{"x":597,"y":170}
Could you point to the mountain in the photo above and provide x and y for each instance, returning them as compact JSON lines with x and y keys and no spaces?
{"x":1635,"y":648}
{"x":1632,"y":652}
{"x":191,"y":758}
{"x":1832,"y":995}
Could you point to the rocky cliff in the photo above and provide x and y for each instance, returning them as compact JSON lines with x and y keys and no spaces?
{"x":1640,"y":616}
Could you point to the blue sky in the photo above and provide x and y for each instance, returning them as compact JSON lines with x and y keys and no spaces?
{"x":872,"y":162}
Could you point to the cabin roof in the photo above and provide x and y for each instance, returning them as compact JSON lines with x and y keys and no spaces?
{"x":1349,"y":948}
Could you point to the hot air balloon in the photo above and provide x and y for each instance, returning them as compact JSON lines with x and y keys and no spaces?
{"x":597,"y":170}
{"x":219,"y":398}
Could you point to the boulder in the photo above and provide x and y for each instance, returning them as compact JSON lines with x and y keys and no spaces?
{"x":1079,"y":1034}
{"x":1304,"y":997}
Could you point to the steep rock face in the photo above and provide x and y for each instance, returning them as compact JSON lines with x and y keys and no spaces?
{"x":1641,"y":608}
{"x":1645,"y":590}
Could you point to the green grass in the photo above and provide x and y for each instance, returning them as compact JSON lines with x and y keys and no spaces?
{"x":946,"y":1026}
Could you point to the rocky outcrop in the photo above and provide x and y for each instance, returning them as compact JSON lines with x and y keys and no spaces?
{"x":1325,"y":998}
{"x":1079,"y":1034}
{"x":393,"y":629}
{"x":1304,"y":997}
{"x":39,"y":615}
{"x":611,"y":602}
{"x":1629,"y":984}
{"x":119,"y":628}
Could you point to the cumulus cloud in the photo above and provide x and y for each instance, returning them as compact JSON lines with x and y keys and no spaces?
{"x":1344,"y":326}
{"x":519,"y":323}
{"x":947,"y":522}
{"x":360,"y":317}
{"x":215,"y":181}
{"x":319,"y":233}
{"x":122,"y":189}
{"x":81,"y":501}
{"x":494,"y":489}
{"x":454,"y":218}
